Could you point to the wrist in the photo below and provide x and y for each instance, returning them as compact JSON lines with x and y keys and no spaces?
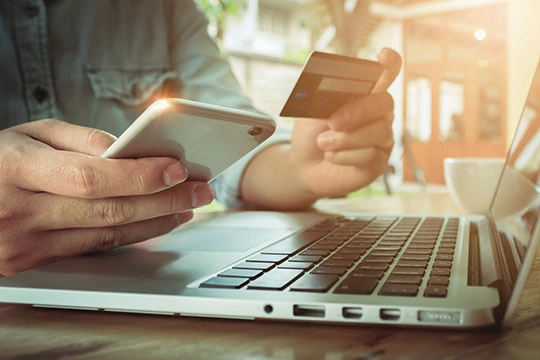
{"x":273,"y":180}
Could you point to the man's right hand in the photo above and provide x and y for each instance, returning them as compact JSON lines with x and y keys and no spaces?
{"x":59,"y":198}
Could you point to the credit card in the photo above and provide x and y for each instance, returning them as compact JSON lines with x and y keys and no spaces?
{"x":329,"y":81}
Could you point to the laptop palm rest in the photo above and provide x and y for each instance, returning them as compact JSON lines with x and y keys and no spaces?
{"x":166,"y":264}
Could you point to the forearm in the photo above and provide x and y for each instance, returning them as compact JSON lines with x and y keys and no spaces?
{"x":272,"y":181}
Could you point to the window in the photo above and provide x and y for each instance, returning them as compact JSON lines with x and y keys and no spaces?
{"x":418,"y":116}
{"x":273,"y":20}
{"x":452,"y":103}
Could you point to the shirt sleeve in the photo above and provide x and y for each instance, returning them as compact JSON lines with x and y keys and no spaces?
{"x":204,"y":72}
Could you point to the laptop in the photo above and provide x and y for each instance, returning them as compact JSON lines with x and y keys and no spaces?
{"x":421,"y":270}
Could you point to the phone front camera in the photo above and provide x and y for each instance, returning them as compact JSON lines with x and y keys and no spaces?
{"x":255,"y":131}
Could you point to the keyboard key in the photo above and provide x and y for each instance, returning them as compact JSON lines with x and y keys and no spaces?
{"x":315,"y":283}
{"x":357,"y":286}
{"x":277,"y":279}
{"x":254,"y":266}
{"x":381,"y":259}
{"x":391,"y":253}
{"x":442,"y":264}
{"x":387,"y":248}
{"x":296,"y":265}
{"x":316,"y":252}
{"x":224,"y":283}
{"x":419,"y":251}
{"x":428,"y":247}
{"x":436,"y":291}
{"x":405,"y":279}
{"x":345,"y":256}
{"x":408,"y":256}
{"x":397,"y":237}
{"x":408,"y":270}
{"x":444,"y":257}
{"x":306,"y":258}
{"x":351,"y":249}
{"x":373,"y":265}
{"x":267,"y":258}
{"x":325,"y":246}
{"x":334,"y":270}
{"x":440,"y":272}
{"x":241,"y":273}
{"x":391,"y":244}
{"x":447,"y":245}
{"x":413,"y":263}
{"x":373,"y":273}
{"x":446,"y":250}
{"x":294,"y":243}
{"x":338,"y":263}
{"x":438,"y":280}
{"x":391,"y":289}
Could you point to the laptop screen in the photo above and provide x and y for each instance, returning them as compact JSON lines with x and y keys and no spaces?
{"x":516,"y":204}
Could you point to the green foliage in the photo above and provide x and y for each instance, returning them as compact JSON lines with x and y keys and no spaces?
{"x":298,"y":56}
{"x":218,"y":9}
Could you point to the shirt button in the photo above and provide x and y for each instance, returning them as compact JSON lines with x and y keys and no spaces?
{"x":136,"y":91}
{"x":40,"y":94}
{"x":30,"y":10}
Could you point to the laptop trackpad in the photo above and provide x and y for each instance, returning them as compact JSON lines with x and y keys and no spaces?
{"x":215,"y":239}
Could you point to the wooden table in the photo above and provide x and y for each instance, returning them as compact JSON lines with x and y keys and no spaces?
{"x":32,"y":333}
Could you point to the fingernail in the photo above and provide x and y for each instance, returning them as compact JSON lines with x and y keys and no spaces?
{"x":382,"y":51}
{"x":325,"y":140}
{"x":182,"y":218}
{"x":174,"y":174}
{"x":202,"y":195}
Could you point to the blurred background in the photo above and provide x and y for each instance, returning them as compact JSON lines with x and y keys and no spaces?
{"x":466,"y":72}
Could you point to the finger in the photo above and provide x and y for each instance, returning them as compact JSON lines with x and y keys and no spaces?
{"x":368,"y":159}
{"x":42,"y":169}
{"x":391,"y":61}
{"x":81,"y":241}
{"x":375,"y":134}
{"x":64,"y":136}
{"x":362,"y":111}
{"x":67,"y":212}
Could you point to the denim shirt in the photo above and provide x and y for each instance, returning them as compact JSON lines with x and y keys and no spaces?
{"x":100,"y":63}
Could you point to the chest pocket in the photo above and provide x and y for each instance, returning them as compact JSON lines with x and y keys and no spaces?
{"x":129,"y":87}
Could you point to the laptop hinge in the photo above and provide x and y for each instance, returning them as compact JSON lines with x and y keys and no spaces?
{"x":495,"y":259}
{"x":474,"y":274}
{"x":491,"y":273}
{"x":500,"y":259}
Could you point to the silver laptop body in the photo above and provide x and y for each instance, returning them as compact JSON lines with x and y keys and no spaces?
{"x":235,"y":266}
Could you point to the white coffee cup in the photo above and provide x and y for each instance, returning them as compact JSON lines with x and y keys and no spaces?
{"x":472,"y":182}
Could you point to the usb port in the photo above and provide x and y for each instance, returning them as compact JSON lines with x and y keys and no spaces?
{"x":390,"y":314}
{"x":309,"y":311}
{"x":352,"y":312}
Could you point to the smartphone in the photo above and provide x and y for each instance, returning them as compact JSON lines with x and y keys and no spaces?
{"x":206,"y":138}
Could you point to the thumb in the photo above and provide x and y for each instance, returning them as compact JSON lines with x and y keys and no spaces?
{"x":391,"y":61}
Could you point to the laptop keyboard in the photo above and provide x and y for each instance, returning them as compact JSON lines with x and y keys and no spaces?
{"x":389,"y":256}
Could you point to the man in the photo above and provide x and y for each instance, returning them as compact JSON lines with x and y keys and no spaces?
{"x":97,"y":65}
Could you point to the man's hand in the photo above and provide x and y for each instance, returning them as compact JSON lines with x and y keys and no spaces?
{"x":350,"y":149}
{"x":328,"y":158}
{"x":59,"y":198}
